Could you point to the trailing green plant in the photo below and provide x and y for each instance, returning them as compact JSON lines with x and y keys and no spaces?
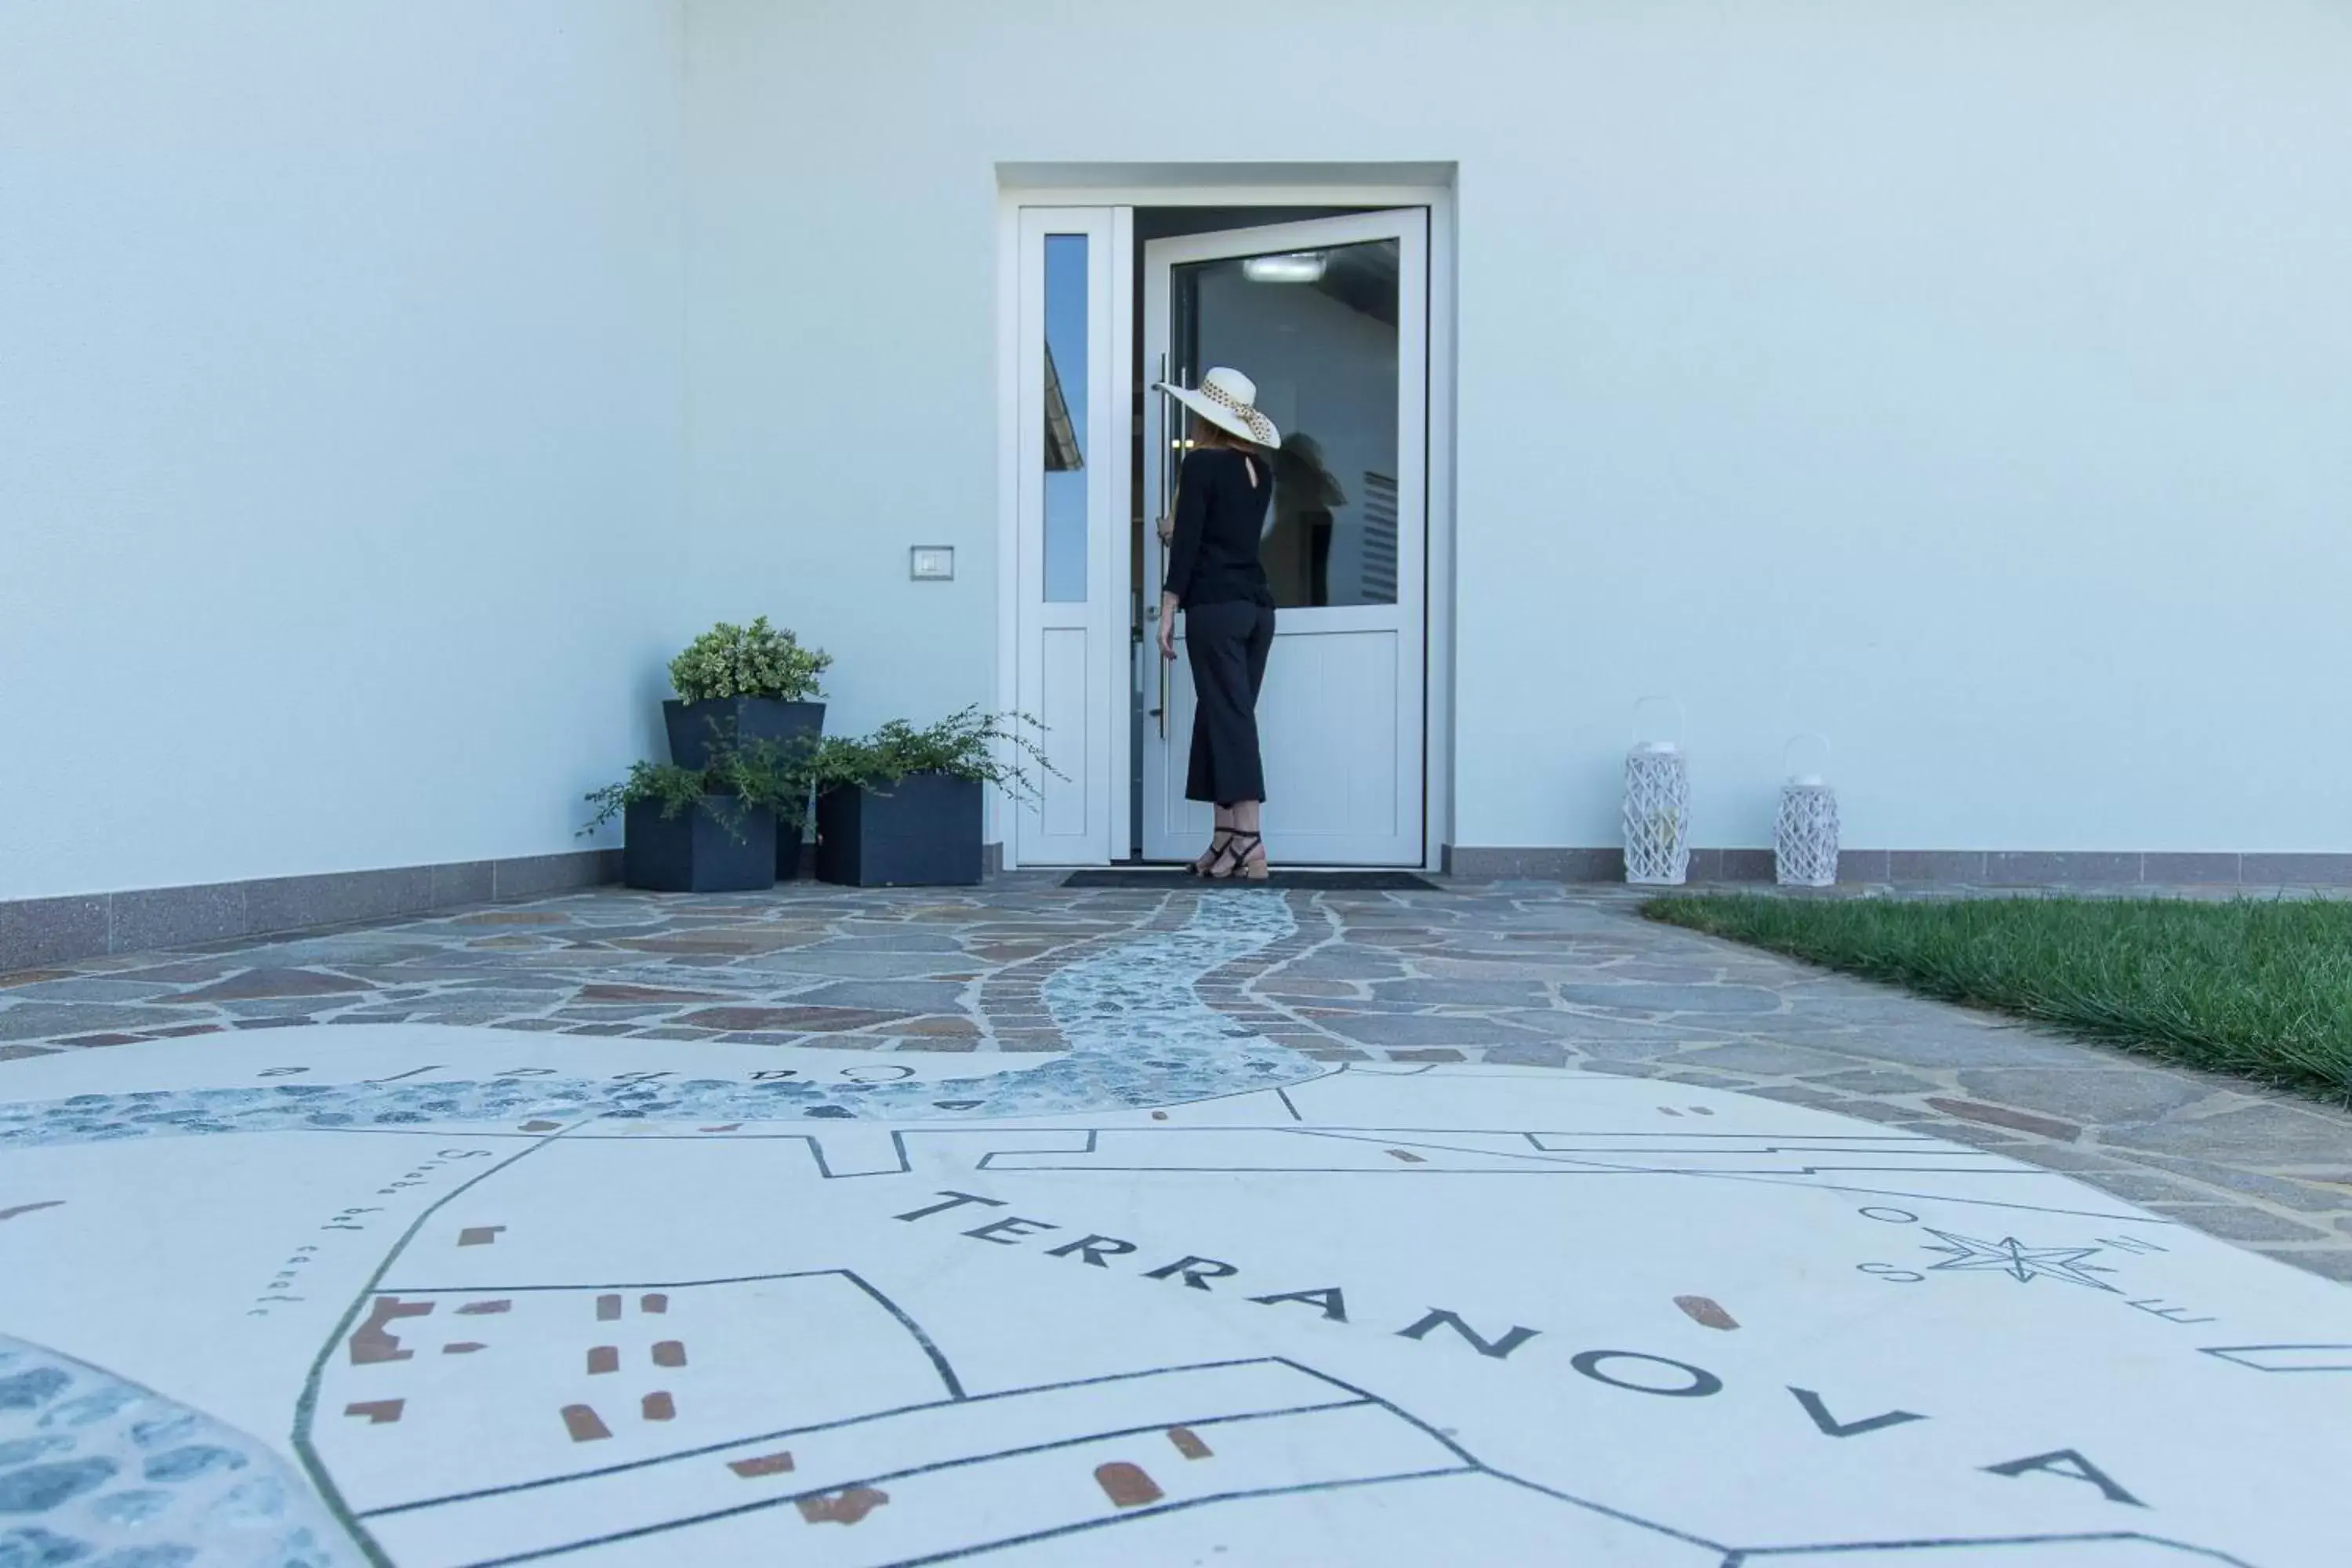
{"x":966,"y":745}
{"x":757,"y":660}
{"x":673,"y":787}
{"x":764,"y":777}
{"x":786,"y":777}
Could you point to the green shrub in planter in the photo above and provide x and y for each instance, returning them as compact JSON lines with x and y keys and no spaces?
{"x":708,"y":830}
{"x":737,"y":685}
{"x":902,"y":807}
{"x":757,"y":660}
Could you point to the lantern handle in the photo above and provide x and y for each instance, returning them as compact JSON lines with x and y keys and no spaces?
{"x":1798,"y":738}
{"x":1682,"y":716}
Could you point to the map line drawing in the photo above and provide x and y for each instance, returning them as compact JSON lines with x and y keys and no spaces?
{"x":306,"y":1404}
{"x":952,"y":1553}
{"x":1966,"y":1254}
{"x":938,"y":1358}
{"x":2285,"y":1358}
{"x":1741,"y":1558}
{"x":584,"y":1132}
{"x":1558,"y":1163}
{"x":1355,"y":1396}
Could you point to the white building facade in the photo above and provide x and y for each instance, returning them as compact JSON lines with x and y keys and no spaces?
{"x":388,"y":391}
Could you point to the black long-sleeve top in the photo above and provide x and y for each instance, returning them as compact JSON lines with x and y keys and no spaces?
{"x":1220,"y":517}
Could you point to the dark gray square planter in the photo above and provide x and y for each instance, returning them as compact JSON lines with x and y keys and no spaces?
{"x":695,"y":852}
{"x":924,"y":833}
{"x":793,"y":852}
{"x":695,"y":727}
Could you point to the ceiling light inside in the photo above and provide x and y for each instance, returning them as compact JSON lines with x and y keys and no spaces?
{"x":1298,"y":266}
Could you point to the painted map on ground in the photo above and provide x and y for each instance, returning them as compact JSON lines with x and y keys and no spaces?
{"x":442,"y":1296}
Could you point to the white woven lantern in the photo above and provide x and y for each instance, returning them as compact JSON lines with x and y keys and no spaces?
{"x":1805,"y":836}
{"x":1657,"y":813}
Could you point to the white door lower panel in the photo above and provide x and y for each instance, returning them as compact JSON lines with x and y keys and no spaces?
{"x":1329,"y":713}
{"x":1066,"y":711}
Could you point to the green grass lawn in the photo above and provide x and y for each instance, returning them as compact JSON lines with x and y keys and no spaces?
{"x":2259,"y":989}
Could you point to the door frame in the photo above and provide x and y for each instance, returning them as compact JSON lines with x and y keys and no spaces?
{"x":1089,"y":191}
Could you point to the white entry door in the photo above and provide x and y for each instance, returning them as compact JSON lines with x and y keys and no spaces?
{"x":1330,"y":319}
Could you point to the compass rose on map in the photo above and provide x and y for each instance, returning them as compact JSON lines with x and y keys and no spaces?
{"x":2022,"y":1263}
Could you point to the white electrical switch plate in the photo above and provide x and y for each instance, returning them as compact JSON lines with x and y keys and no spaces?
{"x":931,"y":563}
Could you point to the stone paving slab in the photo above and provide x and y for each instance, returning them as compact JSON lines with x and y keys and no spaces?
{"x":1520,"y":974}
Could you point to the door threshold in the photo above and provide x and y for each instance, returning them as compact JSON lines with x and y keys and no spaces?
{"x":1323,"y":879}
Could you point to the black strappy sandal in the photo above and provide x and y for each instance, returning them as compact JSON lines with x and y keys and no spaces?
{"x":1236,"y":864}
{"x":1218,"y":843}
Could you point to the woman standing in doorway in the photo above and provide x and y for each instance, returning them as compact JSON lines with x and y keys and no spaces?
{"x":1214,"y":577}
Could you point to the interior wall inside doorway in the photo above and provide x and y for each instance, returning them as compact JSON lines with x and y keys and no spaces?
{"x":1150,"y":224}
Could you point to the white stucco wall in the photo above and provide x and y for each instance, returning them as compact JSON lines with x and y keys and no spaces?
{"x":1966,"y":382}
{"x":341,"y":429}
{"x":386,"y":390}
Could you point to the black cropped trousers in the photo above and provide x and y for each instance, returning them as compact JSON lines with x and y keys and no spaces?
{"x":1228,"y":645}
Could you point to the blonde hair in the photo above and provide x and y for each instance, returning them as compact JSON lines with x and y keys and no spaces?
{"x":1207,"y":432}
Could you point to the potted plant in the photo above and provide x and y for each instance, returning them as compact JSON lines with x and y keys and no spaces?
{"x":739,"y":685}
{"x":902,"y":807}
{"x":709,"y":830}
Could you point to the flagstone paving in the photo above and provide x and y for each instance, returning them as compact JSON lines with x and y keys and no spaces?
{"x":1531,"y":975}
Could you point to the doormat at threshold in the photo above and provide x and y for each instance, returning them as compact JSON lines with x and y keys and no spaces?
{"x":1161,"y":878}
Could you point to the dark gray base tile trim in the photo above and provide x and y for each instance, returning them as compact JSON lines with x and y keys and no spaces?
{"x":34,"y":931}
{"x":37,"y":932}
{"x":1930,"y":867}
{"x":1486,"y":864}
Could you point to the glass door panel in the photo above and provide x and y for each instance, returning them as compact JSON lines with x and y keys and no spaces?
{"x":1318,"y":331}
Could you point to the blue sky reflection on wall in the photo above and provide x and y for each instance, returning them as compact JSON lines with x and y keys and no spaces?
{"x":1065,"y":447}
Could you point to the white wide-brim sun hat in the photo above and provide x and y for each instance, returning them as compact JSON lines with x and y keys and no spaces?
{"x":1227,"y":399}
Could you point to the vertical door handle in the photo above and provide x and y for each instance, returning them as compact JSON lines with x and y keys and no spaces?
{"x":1167,"y":503}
